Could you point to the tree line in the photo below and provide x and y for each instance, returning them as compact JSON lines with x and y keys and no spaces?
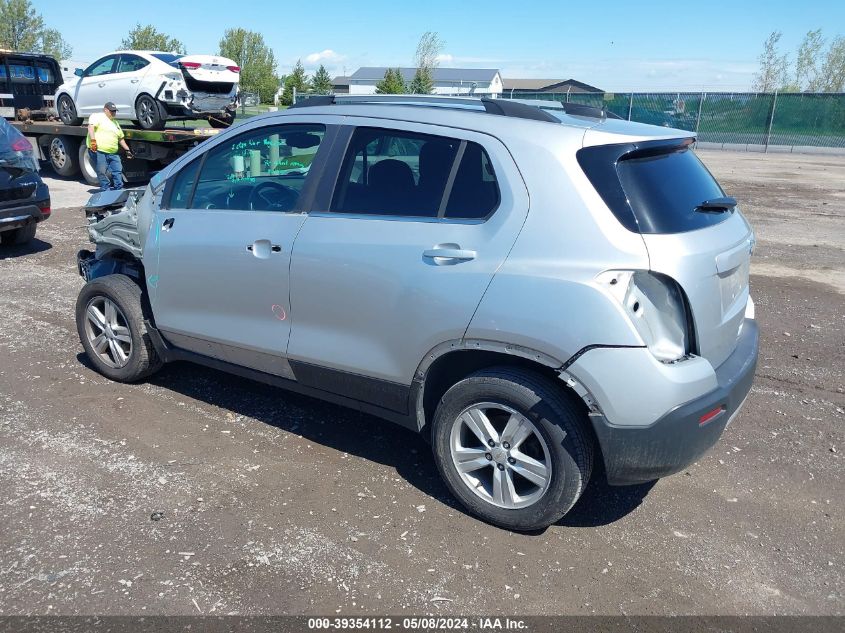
{"x":818,"y":65}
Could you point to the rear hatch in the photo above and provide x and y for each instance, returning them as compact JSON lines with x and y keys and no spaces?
{"x":209,"y":73}
{"x":694,"y":233}
{"x":18,"y":167}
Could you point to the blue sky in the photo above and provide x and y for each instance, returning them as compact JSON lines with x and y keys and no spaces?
{"x":635,"y":45}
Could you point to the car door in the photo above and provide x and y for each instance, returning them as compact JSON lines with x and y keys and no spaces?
{"x":90,"y":95}
{"x":400,"y":256}
{"x":218,"y":254}
{"x":122,"y":85}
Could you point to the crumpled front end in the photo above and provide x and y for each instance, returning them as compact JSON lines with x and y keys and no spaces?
{"x":118,"y":224}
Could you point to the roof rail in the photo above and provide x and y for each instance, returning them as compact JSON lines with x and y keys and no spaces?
{"x":501,"y":107}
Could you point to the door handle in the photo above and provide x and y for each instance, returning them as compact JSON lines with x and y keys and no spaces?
{"x":449,"y":253}
{"x":101,"y":84}
{"x":168,"y":224}
{"x":134,"y":81}
{"x":262,"y":248}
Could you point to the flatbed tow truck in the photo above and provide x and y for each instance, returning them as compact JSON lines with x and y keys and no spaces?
{"x":63,"y":146}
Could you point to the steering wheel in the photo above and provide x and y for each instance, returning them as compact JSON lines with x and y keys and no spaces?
{"x":272,"y":196}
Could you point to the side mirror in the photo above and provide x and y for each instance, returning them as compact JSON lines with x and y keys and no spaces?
{"x":78,"y":72}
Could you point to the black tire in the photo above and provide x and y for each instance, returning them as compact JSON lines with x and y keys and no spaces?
{"x":16,"y":237}
{"x":149,"y":114}
{"x":559,"y":421}
{"x":129,"y":298}
{"x":67,"y":111}
{"x":222,"y":121}
{"x":87,"y":167}
{"x":63,"y":153}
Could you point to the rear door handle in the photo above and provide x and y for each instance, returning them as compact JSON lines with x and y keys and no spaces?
{"x":134,"y":81}
{"x":453,"y":253}
{"x":101,"y":84}
{"x":168,"y":224}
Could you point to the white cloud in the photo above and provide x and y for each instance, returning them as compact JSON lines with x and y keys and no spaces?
{"x":327,"y":55}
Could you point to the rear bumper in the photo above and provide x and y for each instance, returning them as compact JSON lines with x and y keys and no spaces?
{"x":679,"y":438}
{"x":14,"y":215}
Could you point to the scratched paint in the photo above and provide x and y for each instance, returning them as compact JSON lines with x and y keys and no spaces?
{"x":279,"y":312}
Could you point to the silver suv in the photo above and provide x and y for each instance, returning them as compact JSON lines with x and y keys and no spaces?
{"x":535,"y":288}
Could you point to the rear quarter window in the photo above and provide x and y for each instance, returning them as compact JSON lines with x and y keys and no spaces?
{"x":653,"y":187}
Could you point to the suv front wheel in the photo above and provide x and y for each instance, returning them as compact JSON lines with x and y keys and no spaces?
{"x":110,"y":320}
{"x":512,"y":448}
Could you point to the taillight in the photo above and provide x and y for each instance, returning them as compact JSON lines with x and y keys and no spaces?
{"x":234,"y":69}
{"x":45,"y":210}
{"x":22,"y":145}
{"x":191,"y":65}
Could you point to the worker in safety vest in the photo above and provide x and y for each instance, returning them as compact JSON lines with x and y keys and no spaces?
{"x":104,"y":138}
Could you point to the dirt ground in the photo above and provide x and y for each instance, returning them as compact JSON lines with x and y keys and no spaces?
{"x":277,"y":504}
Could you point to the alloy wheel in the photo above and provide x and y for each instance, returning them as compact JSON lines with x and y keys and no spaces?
{"x":108,"y":332}
{"x":500,"y":455}
{"x":145,"y":112}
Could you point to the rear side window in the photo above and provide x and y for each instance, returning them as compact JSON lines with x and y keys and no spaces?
{"x":131,"y":63}
{"x":393,"y":172}
{"x":475,"y":193}
{"x":653,"y":187}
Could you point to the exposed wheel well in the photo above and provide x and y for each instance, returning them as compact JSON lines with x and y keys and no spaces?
{"x":114,"y":261}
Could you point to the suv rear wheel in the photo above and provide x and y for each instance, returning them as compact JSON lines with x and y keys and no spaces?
{"x":512,"y":448}
{"x":110,"y":316}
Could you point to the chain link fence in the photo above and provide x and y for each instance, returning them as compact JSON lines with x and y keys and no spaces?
{"x":733,"y":120}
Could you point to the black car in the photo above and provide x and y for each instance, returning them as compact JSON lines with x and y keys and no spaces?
{"x":24,"y":198}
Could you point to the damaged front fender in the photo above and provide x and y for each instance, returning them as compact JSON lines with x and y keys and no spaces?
{"x":118,"y":224}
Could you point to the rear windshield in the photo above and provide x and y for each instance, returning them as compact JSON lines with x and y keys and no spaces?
{"x":665,"y":189}
{"x":167,"y":58}
{"x":654,"y":189}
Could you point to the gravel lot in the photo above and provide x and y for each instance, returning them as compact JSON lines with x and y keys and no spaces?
{"x":274,"y":503}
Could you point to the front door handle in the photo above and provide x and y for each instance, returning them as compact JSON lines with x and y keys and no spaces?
{"x":101,"y":84}
{"x":134,"y":81}
{"x":262,"y":248}
{"x":168,"y":224}
{"x":449,"y":254}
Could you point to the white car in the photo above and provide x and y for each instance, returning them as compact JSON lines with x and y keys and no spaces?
{"x":151,"y":87}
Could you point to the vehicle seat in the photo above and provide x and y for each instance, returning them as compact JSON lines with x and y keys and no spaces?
{"x":391,"y":187}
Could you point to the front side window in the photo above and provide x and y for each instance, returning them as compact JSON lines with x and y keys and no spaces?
{"x":183,"y":185}
{"x":101,"y":67}
{"x":131,"y":63}
{"x":260,"y":170}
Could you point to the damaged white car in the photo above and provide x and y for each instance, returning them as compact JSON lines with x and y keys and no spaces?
{"x":152,"y":87}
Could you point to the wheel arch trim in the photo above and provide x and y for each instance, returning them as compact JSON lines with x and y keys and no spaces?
{"x":418,"y":388}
